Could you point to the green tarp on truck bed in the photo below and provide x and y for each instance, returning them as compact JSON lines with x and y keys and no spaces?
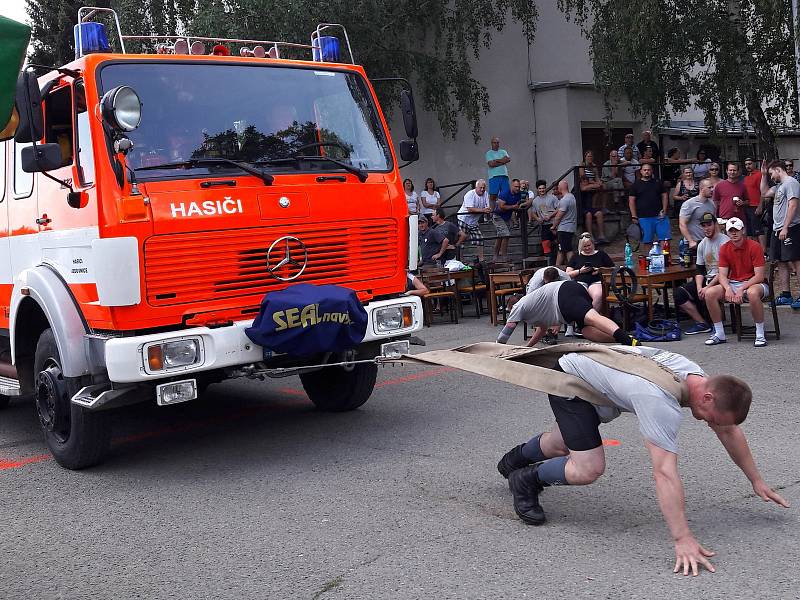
{"x":14,"y":38}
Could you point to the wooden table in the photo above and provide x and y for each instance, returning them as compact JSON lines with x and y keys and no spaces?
{"x":671,"y":275}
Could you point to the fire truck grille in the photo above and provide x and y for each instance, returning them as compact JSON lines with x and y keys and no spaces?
{"x":214,"y":265}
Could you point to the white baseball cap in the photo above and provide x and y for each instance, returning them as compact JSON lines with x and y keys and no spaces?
{"x":734,"y":223}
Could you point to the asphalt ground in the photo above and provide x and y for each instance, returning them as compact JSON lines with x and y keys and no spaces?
{"x":252,"y":493}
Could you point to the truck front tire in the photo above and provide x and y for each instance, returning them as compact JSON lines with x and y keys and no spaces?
{"x":336,"y":389}
{"x":76,"y":437}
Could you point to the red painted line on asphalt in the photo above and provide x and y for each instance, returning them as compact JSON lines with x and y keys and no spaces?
{"x":612,"y":443}
{"x":8,"y":464}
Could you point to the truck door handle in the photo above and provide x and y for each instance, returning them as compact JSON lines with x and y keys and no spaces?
{"x":43,"y":220}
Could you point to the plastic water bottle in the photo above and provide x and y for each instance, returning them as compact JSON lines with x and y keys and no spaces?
{"x":656,"y":258}
{"x":628,"y":255}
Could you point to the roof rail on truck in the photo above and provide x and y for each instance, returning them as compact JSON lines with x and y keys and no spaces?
{"x":90,"y":37}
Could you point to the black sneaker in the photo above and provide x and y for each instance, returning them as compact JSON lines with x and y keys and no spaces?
{"x":512,"y":460}
{"x":525,"y":486}
{"x":550,"y":339}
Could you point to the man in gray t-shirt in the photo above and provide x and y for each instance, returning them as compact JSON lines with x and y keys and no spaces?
{"x":692,"y":210}
{"x":784,"y":247}
{"x":571,"y":453}
{"x":565,"y":222}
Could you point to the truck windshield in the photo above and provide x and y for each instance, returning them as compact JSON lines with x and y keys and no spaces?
{"x":263,"y":115}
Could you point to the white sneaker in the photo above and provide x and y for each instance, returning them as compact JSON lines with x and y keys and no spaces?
{"x":760,"y":342}
{"x":570,"y":331}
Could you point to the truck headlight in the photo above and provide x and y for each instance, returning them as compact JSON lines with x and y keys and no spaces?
{"x":175,"y":354}
{"x":392,"y":318}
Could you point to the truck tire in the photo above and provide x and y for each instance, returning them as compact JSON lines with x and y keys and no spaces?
{"x":335,"y":389}
{"x":76,"y":437}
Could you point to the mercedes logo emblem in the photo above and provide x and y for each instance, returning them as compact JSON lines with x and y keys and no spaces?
{"x":287,"y":258}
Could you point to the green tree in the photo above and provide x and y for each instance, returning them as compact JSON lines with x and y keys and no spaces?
{"x":734,"y":60}
{"x":431,"y":42}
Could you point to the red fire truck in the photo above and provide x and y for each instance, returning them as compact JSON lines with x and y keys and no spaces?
{"x":150,"y":201}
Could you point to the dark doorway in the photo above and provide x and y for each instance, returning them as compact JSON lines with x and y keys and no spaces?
{"x":598,"y":141}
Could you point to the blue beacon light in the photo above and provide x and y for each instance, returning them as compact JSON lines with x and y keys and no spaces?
{"x":326,"y":49}
{"x":90,"y":38}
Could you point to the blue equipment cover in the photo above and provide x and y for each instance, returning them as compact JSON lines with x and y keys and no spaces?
{"x":305,"y":319}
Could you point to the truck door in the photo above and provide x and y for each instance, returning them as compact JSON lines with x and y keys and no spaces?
{"x":5,"y":252}
{"x":22,"y":212}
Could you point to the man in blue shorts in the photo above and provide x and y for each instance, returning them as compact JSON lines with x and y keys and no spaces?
{"x":647,"y":201}
{"x":496,"y":160}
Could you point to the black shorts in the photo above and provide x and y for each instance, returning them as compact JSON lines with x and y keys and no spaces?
{"x":783,"y":252}
{"x":566,"y":239}
{"x":547,"y":233}
{"x":687,"y":293}
{"x":578,"y":422}
{"x":574,"y":302}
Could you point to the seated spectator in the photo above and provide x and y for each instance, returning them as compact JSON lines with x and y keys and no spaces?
{"x":584,"y":267}
{"x":543,"y":208}
{"x":429,"y":199}
{"x":730,"y":195}
{"x":692,"y":211}
{"x":647,"y":143}
{"x":647,"y":201}
{"x":630,"y":168}
{"x":635,"y":154}
{"x":741,"y":279}
{"x":702,"y":165}
{"x":415,"y":287}
{"x":446,"y":230}
{"x":671,"y":172}
{"x":591,"y":194}
{"x":690,"y":296}
{"x":612,"y":177}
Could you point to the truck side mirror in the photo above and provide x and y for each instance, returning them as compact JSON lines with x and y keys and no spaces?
{"x":409,"y":151}
{"x":41,"y":158}
{"x":409,"y":113}
{"x":29,"y":107}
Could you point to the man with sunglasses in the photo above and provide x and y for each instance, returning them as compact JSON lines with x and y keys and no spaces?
{"x":691,"y":295}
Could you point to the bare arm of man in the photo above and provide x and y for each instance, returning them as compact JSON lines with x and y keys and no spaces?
{"x":445,"y":244}
{"x":664,"y":203}
{"x":537,"y":334}
{"x":557,"y":219}
{"x":689,"y":554}
{"x":683,"y":225}
{"x":791,"y":209}
{"x":734,"y":441}
{"x":632,"y":207}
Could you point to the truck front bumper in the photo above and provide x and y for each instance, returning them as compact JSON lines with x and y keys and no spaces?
{"x":126,"y":358}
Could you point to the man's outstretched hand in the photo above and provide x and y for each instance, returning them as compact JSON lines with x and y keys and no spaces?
{"x":767,"y":494}
{"x":690,"y":555}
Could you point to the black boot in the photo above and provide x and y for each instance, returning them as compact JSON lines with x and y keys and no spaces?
{"x":525,"y":486}
{"x":512,"y":460}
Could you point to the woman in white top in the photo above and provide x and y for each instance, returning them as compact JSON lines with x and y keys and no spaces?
{"x":429,"y":198}
{"x":411,"y":197}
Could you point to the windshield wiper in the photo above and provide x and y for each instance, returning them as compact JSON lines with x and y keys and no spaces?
{"x":197,"y":162}
{"x":360,"y":173}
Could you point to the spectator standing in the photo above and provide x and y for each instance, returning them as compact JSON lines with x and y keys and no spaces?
{"x":612,"y":177}
{"x":411,"y":197}
{"x":445,"y":230}
{"x":496,"y":160}
{"x":649,"y":159}
{"x":565,"y":222}
{"x":647,"y":202}
{"x":790,"y":169}
{"x":702,"y":165}
{"x":713,"y":174}
{"x":685,"y":188}
{"x":647,"y":142}
{"x":692,"y":295}
{"x":429,"y":198}
{"x":741,"y":279}
{"x":629,"y":144}
{"x":584,"y":267}
{"x":753,"y":209}
{"x":476,"y":203}
{"x":692,"y":211}
{"x":507,"y":201}
{"x":543,"y":208}
{"x":785,"y":243}
{"x":672,"y":171}
{"x":730,"y":195}
{"x":630,"y":168}
{"x":591,"y":195}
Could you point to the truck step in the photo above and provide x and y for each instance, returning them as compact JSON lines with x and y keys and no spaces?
{"x":9,"y":386}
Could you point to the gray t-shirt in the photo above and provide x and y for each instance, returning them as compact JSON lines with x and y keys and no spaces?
{"x":544,"y":206}
{"x":540,"y":307}
{"x":569,"y":222}
{"x":659,"y":412}
{"x":537,"y":280}
{"x":708,"y":253}
{"x":693,"y":209}
{"x":784,"y":192}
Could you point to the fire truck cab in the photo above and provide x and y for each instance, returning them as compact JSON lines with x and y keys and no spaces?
{"x":149,"y":201}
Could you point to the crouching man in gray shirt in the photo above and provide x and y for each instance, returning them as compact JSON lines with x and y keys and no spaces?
{"x":572,"y":452}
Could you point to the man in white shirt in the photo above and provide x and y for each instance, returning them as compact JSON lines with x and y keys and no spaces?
{"x":476,"y":203}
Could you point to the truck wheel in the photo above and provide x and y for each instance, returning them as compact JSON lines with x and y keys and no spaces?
{"x":76,"y":437}
{"x":337,"y":390}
